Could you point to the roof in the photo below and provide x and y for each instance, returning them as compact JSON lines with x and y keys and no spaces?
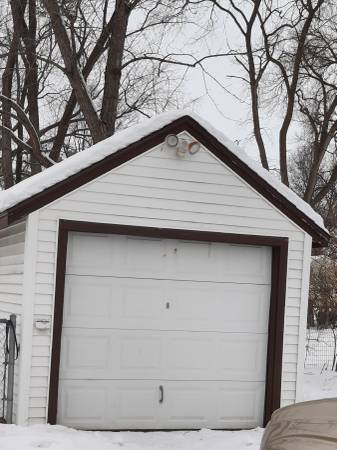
{"x":56,"y":181}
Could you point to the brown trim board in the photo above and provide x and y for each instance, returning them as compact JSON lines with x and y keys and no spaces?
{"x":279,"y":247}
{"x":185,"y":123}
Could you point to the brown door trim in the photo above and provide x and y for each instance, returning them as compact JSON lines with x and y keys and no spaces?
{"x":277,"y":302}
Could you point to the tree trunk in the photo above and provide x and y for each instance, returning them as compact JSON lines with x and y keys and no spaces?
{"x":7,"y":82}
{"x":253,"y":82}
{"x":292,"y":88}
{"x":74,"y":74}
{"x":113,"y":69}
{"x":32,"y":77}
{"x":96,"y":53}
{"x":18,"y":165}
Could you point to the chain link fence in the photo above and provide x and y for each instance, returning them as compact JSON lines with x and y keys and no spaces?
{"x":321,"y":349}
{"x":9,"y":352}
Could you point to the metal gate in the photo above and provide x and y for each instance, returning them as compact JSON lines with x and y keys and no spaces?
{"x":9,"y":351}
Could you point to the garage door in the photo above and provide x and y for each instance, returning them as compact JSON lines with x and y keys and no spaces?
{"x":163,"y":334}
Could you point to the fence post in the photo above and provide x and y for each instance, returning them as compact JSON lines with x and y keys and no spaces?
{"x":4,"y":374}
{"x":10,"y":373}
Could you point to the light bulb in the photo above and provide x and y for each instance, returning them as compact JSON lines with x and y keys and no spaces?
{"x":171,"y":140}
{"x":193,"y":147}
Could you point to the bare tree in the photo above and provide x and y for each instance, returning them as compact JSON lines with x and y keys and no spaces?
{"x":76,"y":71}
{"x":279,"y":52}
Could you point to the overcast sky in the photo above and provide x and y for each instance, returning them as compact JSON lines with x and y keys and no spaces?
{"x":231,"y":113}
{"x":227,"y":107}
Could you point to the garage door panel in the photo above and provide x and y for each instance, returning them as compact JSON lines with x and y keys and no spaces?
{"x":137,"y":403}
{"x":219,"y":262}
{"x":226,"y":307}
{"x":127,"y":355}
{"x":87,"y":298}
{"x":108,"y":404}
{"x":240,"y":405}
{"x":134,"y":257}
{"x":211,"y":356}
{"x":121,"y":354}
{"x":85,"y":352}
{"x":243,"y":356}
{"x":188,"y":405}
{"x":244,"y":264}
{"x":84,"y":404}
{"x":102,"y":302}
{"x":216,"y":404}
{"x":141,"y":256}
{"x":118,"y":255}
{"x":192,"y":261}
{"x":140,"y":354}
{"x":85,"y":251}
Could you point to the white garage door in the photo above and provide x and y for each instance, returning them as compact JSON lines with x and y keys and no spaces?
{"x":161,"y":333}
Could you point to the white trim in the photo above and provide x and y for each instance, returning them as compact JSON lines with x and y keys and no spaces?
{"x":29,"y":275}
{"x":303,"y":316}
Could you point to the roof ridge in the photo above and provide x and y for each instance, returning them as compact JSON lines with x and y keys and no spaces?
{"x":37,"y":185}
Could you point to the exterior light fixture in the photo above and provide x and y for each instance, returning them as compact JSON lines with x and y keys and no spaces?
{"x":182,"y":146}
{"x":194,"y":147}
{"x":171,"y":140}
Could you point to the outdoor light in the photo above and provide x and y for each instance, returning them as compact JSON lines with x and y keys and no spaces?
{"x":182,"y":146}
{"x":193,"y":147}
{"x":171,"y":140}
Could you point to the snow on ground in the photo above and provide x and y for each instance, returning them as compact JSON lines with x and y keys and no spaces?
{"x":60,"y":438}
{"x":319,"y":384}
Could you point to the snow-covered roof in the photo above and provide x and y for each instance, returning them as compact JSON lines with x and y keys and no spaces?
{"x":120,"y":140}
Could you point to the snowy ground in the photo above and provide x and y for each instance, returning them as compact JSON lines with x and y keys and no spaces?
{"x":60,"y":438}
{"x":319,"y":384}
{"x":316,"y":385}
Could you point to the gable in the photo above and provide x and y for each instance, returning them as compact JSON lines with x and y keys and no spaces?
{"x":184,"y":123}
{"x":163,"y":190}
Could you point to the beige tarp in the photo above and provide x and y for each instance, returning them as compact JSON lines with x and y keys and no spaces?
{"x":304,"y":426}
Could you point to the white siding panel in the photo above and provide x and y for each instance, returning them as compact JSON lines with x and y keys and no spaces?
{"x":11,"y":280}
{"x":159,"y":190}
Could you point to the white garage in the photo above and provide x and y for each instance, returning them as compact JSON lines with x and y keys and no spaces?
{"x":158,"y":286}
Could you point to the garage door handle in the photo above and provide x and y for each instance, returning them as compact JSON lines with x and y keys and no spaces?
{"x":161,"y":394}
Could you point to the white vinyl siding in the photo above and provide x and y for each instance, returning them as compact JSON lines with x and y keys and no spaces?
{"x":157,"y":189}
{"x":11,"y":268}
{"x":12,"y":241}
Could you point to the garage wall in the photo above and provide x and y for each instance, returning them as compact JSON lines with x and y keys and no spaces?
{"x":160,"y":190}
{"x":11,"y":268}
{"x":12,"y":241}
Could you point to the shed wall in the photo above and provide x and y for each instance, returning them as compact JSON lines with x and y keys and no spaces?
{"x":12,"y":241}
{"x":158,"y":189}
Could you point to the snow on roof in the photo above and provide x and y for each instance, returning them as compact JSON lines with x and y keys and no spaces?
{"x":121,"y":139}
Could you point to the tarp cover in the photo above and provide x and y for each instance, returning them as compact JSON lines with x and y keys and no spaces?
{"x":303,"y":426}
